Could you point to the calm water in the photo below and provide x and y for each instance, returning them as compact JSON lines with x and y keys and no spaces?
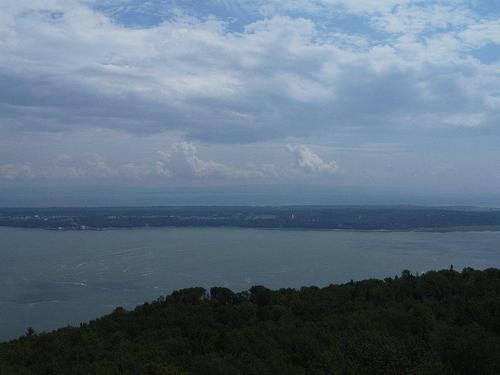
{"x":50,"y":279}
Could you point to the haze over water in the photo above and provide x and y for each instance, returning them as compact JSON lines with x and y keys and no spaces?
{"x":49,"y":279}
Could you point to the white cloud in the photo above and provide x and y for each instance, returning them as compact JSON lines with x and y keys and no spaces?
{"x":413,"y":19}
{"x":481,"y":33}
{"x":183,"y":161}
{"x":308,"y":161}
{"x":285,"y":71}
{"x":179,"y":161}
{"x":358,"y":7}
{"x":134,"y":170}
{"x":63,"y":166}
{"x":13,"y":171}
{"x":65,"y":66}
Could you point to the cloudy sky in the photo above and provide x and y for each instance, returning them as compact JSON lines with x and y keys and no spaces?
{"x":379,"y":93}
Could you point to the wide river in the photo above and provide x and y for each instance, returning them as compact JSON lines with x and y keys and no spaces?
{"x":50,"y":279}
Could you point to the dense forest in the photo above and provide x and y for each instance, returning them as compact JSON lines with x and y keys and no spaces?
{"x":444,"y":322}
{"x":292,"y":217}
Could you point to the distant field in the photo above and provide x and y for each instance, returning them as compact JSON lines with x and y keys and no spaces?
{"x":306,"y":217}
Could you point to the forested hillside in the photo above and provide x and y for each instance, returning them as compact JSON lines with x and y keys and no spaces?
{"x":444,"y":322}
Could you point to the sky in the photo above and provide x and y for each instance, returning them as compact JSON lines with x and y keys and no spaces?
{"x":398,"y":95}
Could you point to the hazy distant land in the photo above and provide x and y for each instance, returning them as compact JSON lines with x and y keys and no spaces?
{"x":272,"y":217}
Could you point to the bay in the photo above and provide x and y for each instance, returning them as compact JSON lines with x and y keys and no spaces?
{"x":50,"y":279}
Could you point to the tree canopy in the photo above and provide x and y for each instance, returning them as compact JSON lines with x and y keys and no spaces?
{"x":443,"y":322}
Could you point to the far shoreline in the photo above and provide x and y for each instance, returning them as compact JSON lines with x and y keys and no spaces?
{"x":471,"y":229}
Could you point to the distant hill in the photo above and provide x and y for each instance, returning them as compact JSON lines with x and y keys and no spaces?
{"x":444,"y":322}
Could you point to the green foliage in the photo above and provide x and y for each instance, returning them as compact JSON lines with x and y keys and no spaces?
{"x":442,"y":322}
